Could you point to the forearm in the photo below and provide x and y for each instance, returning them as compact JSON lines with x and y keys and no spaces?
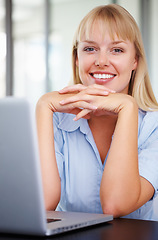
{"x":50,"y":175}
{"x":46,"y":105}
{"x":120,"y":186}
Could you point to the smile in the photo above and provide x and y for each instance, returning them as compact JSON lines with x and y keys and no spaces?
{"x":103,"y":76}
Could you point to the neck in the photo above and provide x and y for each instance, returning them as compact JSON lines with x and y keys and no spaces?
{"x":109,"y":119}
{"x":102,"y":128}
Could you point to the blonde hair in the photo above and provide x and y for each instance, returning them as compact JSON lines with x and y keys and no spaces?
{"x":119,"y":22}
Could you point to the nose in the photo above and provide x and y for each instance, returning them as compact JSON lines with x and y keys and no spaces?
{"x":102,"y":59}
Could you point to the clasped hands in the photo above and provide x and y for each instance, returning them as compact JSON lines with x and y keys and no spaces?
{"x":83,"y":101}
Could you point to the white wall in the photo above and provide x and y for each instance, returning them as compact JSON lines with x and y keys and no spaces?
{"x":133,"y":7}
{"x":154,"y":47}
{"x":66,"y":15}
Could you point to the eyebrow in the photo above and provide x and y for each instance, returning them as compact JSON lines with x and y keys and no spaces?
{"x":93,"y":42}
{"x":87,"y":41}
{"x":117,"y":42}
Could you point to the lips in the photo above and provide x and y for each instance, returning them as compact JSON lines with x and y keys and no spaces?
{"x":102,"y":75}
{"x":101,"y":78}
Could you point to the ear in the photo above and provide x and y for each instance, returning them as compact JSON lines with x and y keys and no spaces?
{"x":135,"y":64}
{"x":77,"y":61}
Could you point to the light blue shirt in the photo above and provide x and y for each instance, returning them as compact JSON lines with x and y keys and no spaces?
{"x":81,"y":168}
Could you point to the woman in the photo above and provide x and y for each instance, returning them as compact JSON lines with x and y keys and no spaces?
{"x":100,"y":153}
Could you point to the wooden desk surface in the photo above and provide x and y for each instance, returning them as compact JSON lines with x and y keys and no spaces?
{"x":118,"y":229}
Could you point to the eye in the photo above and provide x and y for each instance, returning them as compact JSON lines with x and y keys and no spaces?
{"x":89,"y":49}
{"x":117,"y":50}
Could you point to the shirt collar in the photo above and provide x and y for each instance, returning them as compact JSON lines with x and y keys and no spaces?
{"x":67,"y":123}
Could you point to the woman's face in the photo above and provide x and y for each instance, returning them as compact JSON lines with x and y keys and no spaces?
{"x":106,"y":61}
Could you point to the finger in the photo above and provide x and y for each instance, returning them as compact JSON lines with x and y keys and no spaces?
{"x":82,"y":114}
{"x":73,"y":88}
{"x":81,"y":105}
{"x":95,"y":91}
{"x":102,"y":87}
{"x":86,"y":96}
{"x":77,"y":110}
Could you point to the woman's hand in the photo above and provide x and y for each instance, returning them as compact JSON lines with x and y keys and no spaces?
{"x":52,"y":102}
{"x":105,"y":101}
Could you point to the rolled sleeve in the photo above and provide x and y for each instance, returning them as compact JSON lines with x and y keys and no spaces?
{"x":58,"y":142}
{"x":148,"y":149}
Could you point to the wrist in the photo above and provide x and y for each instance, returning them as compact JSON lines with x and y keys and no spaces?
{"x":130,"y":105}
{"x":47,"y":102}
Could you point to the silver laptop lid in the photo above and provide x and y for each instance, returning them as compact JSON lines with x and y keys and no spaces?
{"x":22,"y":208}
{"x":19,"y":168}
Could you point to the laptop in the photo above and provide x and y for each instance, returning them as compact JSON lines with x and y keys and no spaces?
{"x":22,"y":208}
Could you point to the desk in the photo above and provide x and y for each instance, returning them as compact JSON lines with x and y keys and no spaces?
{"x":118,"y":229}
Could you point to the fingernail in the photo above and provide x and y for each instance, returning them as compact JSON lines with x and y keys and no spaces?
{"x":62,"y":102}
{"x":94,"y":107}
{"x":60,"y":91}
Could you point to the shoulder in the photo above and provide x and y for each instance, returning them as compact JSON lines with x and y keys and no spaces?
{"x":147,"y":126}
{"x":148,"y":114}
{"x":148,"y":119}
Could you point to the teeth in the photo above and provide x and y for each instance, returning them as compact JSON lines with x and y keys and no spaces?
{"x":102,"y":76}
